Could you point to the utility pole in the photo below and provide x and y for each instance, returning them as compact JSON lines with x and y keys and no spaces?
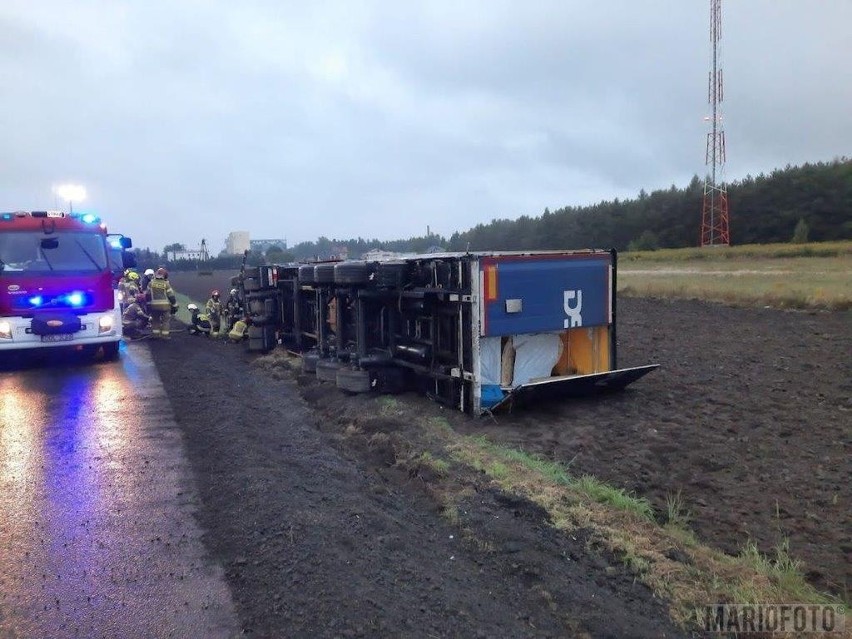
{"x":714,"y":211}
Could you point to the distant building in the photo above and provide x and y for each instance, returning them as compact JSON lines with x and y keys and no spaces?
{"x":381,"y":255}
{"x":185,"y":254}
{"x":263,"y":246}
{"x":237,"y":243}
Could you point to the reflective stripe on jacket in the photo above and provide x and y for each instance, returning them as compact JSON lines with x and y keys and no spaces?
{"x":160,"y":295}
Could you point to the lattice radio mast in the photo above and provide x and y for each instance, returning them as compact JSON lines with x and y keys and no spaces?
{"x":714,"y":211}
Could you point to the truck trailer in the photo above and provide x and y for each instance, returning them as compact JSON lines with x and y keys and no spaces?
{"x":58,"y":275}
{"x":480,"y":331}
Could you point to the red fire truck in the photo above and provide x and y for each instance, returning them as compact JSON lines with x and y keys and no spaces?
{"x":57,"y":282}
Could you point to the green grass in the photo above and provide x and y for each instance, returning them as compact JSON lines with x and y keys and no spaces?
{"x":182,"y":301}
{"x":745,"y":251}
{"x":625,"y":525}
{"x":803,"y":276}
{"x":616,"y":497}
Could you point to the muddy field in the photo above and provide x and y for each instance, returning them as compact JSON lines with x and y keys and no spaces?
{"x":198,"y":287}
{"x":748,"y":420}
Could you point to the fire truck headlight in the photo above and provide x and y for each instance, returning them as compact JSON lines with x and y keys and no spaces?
{"x":105,"y":324}
{"x":5,"y":330}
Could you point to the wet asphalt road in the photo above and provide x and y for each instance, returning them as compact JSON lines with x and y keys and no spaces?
{"x":97,"y":532}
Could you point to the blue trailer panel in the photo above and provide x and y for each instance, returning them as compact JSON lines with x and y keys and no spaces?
{"x":534,"y":294}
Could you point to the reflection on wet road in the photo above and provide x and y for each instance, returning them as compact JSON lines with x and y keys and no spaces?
{"x":97,"y":536}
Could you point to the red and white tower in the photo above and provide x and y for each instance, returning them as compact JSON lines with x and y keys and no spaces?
{"x":714,"y":212}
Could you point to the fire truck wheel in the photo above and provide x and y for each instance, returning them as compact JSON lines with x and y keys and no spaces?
{"x":327,"y":370}
{"x":351,"y":380}
{"x":110,"y":351}
{"x":309,"y":362}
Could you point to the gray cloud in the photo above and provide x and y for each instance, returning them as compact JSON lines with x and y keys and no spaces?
{"x":188,"y":120}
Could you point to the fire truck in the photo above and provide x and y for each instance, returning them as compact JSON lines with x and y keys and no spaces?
{"x":57,"y":282}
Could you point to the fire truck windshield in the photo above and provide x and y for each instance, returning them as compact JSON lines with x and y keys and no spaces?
{"x":60,"y":252}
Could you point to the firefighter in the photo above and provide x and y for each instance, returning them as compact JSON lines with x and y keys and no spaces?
{"x":126,"y":292}
{"x":132,"y":286}
{"x":147,"y":276}
{"x":161,"y":302}
{"x":233,"y":308}
{"x":199,"y":324}
{"x":214,"y":310}
{"x":134,"y":319}
{"x":238,"y":331}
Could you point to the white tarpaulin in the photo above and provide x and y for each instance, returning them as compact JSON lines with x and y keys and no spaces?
{"x":535,"y":356}
{"x":489,"y":360}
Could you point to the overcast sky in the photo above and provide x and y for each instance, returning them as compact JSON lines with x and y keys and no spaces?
{"x":191,"y":118}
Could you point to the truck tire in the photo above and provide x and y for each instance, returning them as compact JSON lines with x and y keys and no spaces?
{"x":353,"y":380}
{"x":309,"y":362}
{"x":261,"y":339}
{"x":324,"y":273}
{"x":351,"y":273}
{"x":390,"y":274}
{"x":327,"y":370}
{"x":251,"y":284}
{"x":306,"y":274}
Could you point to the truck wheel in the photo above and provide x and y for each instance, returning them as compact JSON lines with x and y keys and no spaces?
{"x":306,"y":274}
{"x":324,"y":273}
{"x":351,"y":380}
{"x":327,"y":370}
{"x":351,"y":273}
{"x":110,"y":351}
{"x":251,"y":284}
{"x":390,"y":274}
{"x":309,"y":362}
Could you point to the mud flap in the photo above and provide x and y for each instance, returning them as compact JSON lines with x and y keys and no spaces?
{"x":551,"y":388}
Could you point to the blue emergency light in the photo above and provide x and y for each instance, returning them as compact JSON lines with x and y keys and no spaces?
{"x":75,"y":299}
{"x":89,"y":218}
{"x":36,"y":300}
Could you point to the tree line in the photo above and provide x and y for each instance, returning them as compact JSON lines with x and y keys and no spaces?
{"x":797,"y":203}
{"x":811,"y":202}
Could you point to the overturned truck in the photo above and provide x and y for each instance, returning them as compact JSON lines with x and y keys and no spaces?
{"x":477,"y":331}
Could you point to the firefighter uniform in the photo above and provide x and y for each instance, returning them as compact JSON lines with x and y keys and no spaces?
{"x":134,"y":319}
{"x":161,"y":304}
{"x":215,"y":309}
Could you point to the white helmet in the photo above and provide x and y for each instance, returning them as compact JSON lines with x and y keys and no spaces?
{"x":191,"y":307}
{"x":149,"y":272}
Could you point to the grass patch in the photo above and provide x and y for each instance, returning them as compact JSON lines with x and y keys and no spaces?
{"x":744,"y":251}
{"x":182,"y":302}
{"x":677,"y":515}
{"x":615,"y":497}
{"x":440,"y":467}
{"x":388,"y":405}
{"x":802,"y":283}
{"x":666,"y":556}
